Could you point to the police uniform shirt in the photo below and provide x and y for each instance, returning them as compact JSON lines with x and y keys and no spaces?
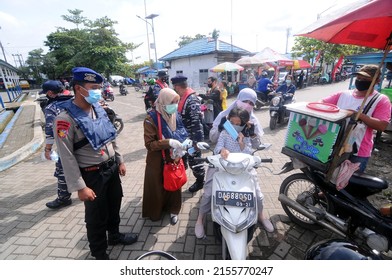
{"x":67,"y":133}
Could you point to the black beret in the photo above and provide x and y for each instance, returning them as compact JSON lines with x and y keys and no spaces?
{"x":178,"y":79}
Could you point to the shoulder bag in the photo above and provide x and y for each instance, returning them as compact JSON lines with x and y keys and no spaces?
{"x":174,"y":174}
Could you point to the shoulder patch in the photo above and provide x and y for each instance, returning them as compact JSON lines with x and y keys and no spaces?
{"x":62,"y":128}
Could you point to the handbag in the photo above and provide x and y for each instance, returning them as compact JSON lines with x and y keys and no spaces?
{"x":174,"y":174}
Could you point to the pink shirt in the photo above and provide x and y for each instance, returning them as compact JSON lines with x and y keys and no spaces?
{"x":382,"y":111}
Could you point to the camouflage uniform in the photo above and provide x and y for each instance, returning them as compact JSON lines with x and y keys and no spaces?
{"x":51,"y":111}
{"x":192,"y":119}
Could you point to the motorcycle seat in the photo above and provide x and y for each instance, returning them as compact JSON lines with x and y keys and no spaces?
{"x":363,"y":185}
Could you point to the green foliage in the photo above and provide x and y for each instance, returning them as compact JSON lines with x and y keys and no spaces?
{"x":93,"y":44}
{"x":187,"y":39}
{"x":307,"y":47}
{"x":184,"y":40}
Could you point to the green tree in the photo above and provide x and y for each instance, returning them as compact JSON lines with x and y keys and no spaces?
{"x":215,"y":34}
{"x":93,"y":44}
{"x":184,"y":40}
{"x":75,"y":17}
{"x":307,"y":47}
{"x":35,"y":61}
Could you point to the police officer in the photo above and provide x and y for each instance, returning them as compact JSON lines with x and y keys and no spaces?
{"x":85,"y":139}
{"x":53,"y":91}
{"x":189,"y":108}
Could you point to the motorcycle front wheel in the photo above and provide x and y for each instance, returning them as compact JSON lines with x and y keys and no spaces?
{"x":299,"y":188}
{"x":273,"y":122}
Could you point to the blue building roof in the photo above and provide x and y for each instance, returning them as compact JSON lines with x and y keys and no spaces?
{"x":201,"y":47}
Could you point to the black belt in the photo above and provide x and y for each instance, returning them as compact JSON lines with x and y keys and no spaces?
{"x":102,"y":166}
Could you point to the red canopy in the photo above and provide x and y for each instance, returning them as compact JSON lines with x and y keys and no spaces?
{"x":365,"y":23}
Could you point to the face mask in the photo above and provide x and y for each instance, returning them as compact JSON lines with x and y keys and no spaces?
{"x":238,"y":128}
{"x":164,"y":80}
{"x":245,"y":106}
{"x":362,"y":85}
{"x":288,"y":82}
{"x":94,"y":95}
{"x":171,"y":108}
{"x":209,"y":85}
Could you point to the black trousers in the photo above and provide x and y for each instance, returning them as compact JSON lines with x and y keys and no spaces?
{"x":102,"y":214}
{"x":199,"y":171}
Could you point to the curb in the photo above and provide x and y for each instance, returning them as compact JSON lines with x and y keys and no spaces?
{"x":28,"y":149}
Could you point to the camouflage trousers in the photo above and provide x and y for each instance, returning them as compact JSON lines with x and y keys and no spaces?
{"x":62,"y":190}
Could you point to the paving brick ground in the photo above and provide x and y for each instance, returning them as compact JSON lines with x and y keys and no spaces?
{"x":29,"y":230}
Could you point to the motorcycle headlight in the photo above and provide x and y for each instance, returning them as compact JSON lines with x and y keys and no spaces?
{"x":275,"y":101}
{"x":234,"y":168}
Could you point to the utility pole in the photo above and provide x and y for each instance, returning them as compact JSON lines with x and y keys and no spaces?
{"x":19,"y":58}
{"x":287,"y":38}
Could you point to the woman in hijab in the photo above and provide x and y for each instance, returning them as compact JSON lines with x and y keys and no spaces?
{"x":245,"y":100}
{"x":155,"y":198}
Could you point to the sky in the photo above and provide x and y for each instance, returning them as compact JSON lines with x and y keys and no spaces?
{"x":248,"y":24}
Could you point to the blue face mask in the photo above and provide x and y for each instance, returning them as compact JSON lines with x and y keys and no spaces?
{"x":94,"y":95}
{"x":171,"y":108}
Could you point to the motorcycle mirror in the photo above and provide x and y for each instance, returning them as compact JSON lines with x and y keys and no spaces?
{"x":203,"y":146}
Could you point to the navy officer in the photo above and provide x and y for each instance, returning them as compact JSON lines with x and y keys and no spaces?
{"x":189,"y":109}
{"x":92,"y":163}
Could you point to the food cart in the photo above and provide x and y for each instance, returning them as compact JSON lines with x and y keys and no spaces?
{"x":314,"y":133}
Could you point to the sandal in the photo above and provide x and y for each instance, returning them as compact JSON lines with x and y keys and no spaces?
{"x":199,"y":231}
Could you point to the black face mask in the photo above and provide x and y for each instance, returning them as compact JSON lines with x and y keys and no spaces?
{"x":362,"y":85}
{"x":209,"y":85}
{"x":164,"y":80}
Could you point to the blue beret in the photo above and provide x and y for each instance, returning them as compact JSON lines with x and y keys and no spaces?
{"x":178,"y":79}
{"x":86,"y":75}
{"x":55,"y":86}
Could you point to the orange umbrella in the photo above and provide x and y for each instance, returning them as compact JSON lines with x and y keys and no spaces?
{"x":301,"y":64}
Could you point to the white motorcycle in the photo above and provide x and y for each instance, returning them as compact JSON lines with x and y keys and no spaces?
{"x":233,"y":201}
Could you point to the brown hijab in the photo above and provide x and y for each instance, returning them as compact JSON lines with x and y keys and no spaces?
{"x":166,"y":97}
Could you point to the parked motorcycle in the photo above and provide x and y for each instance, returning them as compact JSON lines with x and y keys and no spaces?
{"x":340,"y":249}
{"x":277,"y":109}
{"x":123,"y":89}
{"x":313,"y":202}
{"x":233,"y":200}
{"x":113,"y":116}
{"x":107,"y":93}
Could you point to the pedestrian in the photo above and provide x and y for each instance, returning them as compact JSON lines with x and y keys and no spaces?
{"x":161,"y":82}
{"x":213,"y":95}
{"x":377,"y":116}
{"x":54,"y":92}
{"x":212,"y":101}
{"x":239,"y":118}
{"x":155,"y":198}
{"x":189,"y":109}
{"x":86,"y":141}
{"x":223,"y":94}
{"x":301,"y":79}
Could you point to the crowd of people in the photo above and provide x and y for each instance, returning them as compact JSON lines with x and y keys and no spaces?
{"x":91,"y":164}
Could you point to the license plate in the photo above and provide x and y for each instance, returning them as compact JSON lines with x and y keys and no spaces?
{"x":239,"y":199}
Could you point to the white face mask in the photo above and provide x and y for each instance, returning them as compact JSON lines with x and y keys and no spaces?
{"x":288,"y":82}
